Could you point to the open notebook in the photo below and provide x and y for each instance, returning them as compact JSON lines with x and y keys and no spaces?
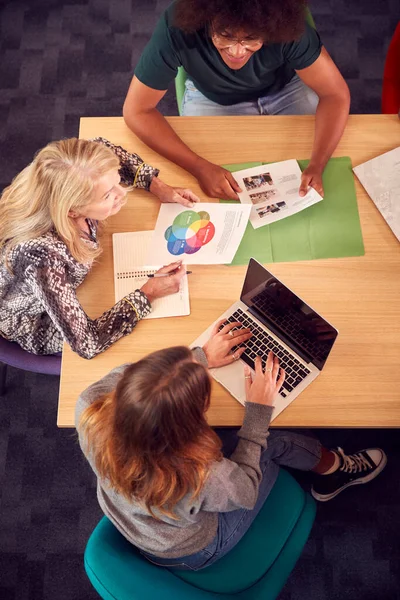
{"x":130,"y":251}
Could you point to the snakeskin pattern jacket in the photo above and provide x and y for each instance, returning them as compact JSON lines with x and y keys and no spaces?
{"x":39,"y":308}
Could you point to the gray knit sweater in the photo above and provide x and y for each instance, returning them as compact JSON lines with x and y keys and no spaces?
{"x":232,"y":483}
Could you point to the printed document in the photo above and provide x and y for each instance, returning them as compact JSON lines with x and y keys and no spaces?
{"x":381,"y":179}
{"x":209,"y":233}
{"x":272,"y":191}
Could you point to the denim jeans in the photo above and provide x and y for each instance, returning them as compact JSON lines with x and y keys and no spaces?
{"x":284,"y":448}
{"x":293,"y":99}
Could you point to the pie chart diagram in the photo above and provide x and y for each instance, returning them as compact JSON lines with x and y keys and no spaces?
{"x":189,"y":232}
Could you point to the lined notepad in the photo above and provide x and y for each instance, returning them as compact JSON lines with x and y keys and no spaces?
{"x":130,"y":251}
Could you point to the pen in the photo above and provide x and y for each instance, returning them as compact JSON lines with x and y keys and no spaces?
{"x":166,"y":274}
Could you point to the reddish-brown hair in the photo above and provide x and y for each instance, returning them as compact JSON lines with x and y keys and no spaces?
{"x":149,"y":437}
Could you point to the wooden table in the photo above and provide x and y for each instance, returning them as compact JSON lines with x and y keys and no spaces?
{"x":360,"y":384}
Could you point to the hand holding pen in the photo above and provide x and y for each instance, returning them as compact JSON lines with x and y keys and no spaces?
{"x":165,"y":281}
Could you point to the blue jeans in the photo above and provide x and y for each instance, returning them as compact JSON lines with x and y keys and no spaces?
{"x":293,"y":99}
{"x":284,"y":448}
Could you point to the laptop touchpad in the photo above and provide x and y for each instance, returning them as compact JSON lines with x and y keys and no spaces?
{"x":232,"y":378}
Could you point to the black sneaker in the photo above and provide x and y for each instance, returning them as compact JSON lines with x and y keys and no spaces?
{"x":353,"y":470}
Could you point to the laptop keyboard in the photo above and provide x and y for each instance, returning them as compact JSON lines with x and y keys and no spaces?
{"x":261,"y":343}
{"x":290,"y":322}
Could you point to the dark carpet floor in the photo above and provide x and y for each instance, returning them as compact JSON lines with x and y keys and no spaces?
{"x":61,"y":60}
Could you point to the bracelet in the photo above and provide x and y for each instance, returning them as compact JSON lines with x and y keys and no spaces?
{"x":133,"y":306}
{"x":140,"y":167}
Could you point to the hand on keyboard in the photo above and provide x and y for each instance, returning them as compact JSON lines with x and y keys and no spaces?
{"x":224,"y":345}
{"x":264,"y":387}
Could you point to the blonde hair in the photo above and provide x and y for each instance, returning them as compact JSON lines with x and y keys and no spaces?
{"x":61,"y":178}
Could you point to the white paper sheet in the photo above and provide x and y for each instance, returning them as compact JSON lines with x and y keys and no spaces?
{"x":381,"y":179}
{"x":209,"y":233}
{"x":131,"y":271}
{"x":273,"y":192}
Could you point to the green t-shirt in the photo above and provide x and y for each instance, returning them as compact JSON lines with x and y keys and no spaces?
{"x":267,"y":71}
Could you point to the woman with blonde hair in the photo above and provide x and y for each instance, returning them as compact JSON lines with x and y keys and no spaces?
{"x":162,"y":478}
{"x":49,"y":223}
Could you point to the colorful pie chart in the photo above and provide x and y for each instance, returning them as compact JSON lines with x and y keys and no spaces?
{"x":189,"y":232}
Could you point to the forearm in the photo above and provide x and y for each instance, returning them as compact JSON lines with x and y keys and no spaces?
{"x":234,"y":483}
{"x":112,"y":325}
{"x":133,"y":170}
{"x":330,"y":121}
{"x":166,"y":142}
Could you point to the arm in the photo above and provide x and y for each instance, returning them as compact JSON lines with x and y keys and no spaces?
{"x":333,"y":109}
{"x":135,"y":172}
{"x":233,"y":483}
{"x":87,"y":337}
{"x":143,"y":118}
{"x":237,"y":486}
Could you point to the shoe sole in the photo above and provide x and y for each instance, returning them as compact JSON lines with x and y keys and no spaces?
{"x":367,"y":479}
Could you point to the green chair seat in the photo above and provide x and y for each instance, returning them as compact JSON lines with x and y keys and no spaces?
{"x":257,"y":567}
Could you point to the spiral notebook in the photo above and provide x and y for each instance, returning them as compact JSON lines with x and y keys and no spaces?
{"x":130,"y":251}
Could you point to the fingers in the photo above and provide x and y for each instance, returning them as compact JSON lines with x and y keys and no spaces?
{"x":258,"y":366}
{"x":269,"y":364}
{"x":229,"y":326}
{"x":178,"y":274}
{"x":247,"y":379}
{"x":232,"y":357}
{"x":185,"y":197}
{"x":171,"y":267}
{"x":275,"y":369}
{"x":227,"y":191}
{"x":317,"y":185}
{"x":232,"y":181}
{"x":240,"y":339}
{"x":187,"y":193}
{"x":305,"y":182}
{"x":179,"y":199}
{"x":216,"y":327}
{"x":281,"y":379}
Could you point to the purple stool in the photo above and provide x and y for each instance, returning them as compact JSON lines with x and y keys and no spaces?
{"x":14,"y":356}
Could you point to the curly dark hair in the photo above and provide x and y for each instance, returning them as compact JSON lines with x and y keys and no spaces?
{"x":274,"y":21}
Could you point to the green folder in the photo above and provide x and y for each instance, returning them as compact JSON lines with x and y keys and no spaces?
{"x":329,"y":229}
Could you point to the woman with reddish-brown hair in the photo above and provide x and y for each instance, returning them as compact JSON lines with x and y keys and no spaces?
{"x":163,"y":478}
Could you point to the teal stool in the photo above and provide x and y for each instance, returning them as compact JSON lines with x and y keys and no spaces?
{"x":182,"y":75}
{"x":256,"y":569}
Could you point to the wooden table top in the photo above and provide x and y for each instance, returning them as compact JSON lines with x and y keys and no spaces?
{"x":360,"y":384}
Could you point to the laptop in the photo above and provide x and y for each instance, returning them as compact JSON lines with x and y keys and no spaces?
{"x":282,"y":322}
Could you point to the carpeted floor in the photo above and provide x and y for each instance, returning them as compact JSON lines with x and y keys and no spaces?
{"x":61,"y":60}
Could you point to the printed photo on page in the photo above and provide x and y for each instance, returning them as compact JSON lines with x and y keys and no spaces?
{"x":208,"y":234}
{"x":273,"y":192}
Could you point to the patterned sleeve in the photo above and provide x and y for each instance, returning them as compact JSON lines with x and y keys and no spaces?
{"x":87,"y":337}
{"x":134,"y":172}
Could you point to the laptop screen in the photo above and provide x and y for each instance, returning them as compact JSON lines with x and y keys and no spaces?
{"x":296,"y":323}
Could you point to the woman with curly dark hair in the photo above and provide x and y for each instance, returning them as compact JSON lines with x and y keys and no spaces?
{"x":241,"y":58}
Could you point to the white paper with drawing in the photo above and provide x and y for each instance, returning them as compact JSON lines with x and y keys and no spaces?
{"x":131,"y":271}
{"x":209,"y":233}
{"x":273,"y":192}
{"x":381,"y":178}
